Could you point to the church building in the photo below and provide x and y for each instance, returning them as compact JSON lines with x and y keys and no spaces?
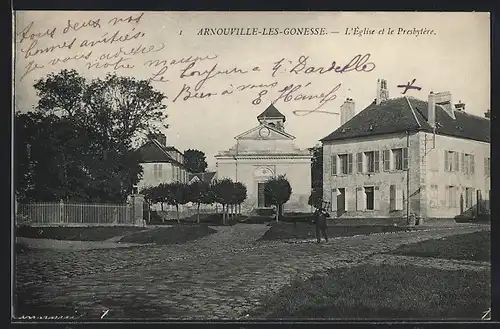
{"x":266,"y":151}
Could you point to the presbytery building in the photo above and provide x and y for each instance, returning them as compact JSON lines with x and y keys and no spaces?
{"x":401,"y":156}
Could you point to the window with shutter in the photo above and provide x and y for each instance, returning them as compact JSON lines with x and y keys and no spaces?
{"x":386,"y":158}
{"x":369,"y":197}
{"x":469,"y":197}
{"x":471,"y":164}
{"x":376,"y":198}
{"x":370,"y":161}
{"x":455,"y":161}
{"x":334,"y":165}
{"x":157,"y":169}
{"x":397,"y":155}
{"x":334,"y":200}
{"x":405,"y":158}
{"x":360,"y":202}
{"x":376,"y":156}
{"x":464,"y":170}
{"x":349,"y":163}
{"x":343,"y":164}
{"x":399,"y":198}
{"x":392,"y":197}
{"x":452,"y":196}
{"x":486,"y":166}
{"x":434,"y":197}
{"x":446,"y":161}
{"x":359,"y":162}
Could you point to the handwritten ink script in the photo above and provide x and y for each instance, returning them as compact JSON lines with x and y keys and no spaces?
{"x":70,"y":42}
{"x":196,"y":76}
{"x":486,"y":314}
{"x":409,"y":86}
{"x":123,"y":44}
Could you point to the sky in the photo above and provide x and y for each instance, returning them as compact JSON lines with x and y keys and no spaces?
{"x":177,"y":50}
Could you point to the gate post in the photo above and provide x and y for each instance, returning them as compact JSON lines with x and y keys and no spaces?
{"x":138,"y":210}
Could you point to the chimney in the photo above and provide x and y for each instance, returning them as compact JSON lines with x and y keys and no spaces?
{"x":443,"y":99}
{"x":161,"y":138}
{"x":347,"y":111}
{"x":431,"y":110}
{"x":460,"y":106}
{"x":382,"y":91}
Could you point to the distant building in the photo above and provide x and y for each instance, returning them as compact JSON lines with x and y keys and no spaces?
{"x":432,"y":151}
{"x":263,"y":152}
{"x":207,"y":177}
{"x":161,"y":163}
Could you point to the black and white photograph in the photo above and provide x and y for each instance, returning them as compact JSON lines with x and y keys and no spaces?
{"x":244,"y":166}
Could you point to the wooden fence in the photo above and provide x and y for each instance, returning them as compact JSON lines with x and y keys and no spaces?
{"x":75,"y":214}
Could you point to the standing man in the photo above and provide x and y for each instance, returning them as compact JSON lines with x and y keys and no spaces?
{"x":320,"y":216}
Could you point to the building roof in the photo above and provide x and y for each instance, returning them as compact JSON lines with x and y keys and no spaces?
{"x":154,"y":152}
{"x":410,"y":114}
{"x":271,"y":112}
{"x":172,"y":148}
{"x":204,"y":176}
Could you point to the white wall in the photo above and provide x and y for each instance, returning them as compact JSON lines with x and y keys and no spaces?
{"x":434,"y":162}
{"x":297,"y":170}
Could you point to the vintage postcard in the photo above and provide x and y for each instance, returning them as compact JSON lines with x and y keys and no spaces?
{"x":251,"y":165}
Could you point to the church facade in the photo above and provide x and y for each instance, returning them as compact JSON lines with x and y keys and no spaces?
{"x":266,"y":151}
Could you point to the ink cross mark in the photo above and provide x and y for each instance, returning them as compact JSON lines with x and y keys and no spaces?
{"x":409,"y":86}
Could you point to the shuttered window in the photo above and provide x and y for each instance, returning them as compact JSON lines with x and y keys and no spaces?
{"x":399,"y":198}
{"x":386,"y":159}
{"x":405,"y":158}
{"x":455,"y":161}
{"x":392,"y":197}
{"x":343,"y":164}
{"x":334,"y":200}
{"x":359,"y":162}
{"x":376,"y":198}
{"x":360,"y":200}
{"x":434,"y":197}
{"x":334,"y":164}
{"x":157,"y":170}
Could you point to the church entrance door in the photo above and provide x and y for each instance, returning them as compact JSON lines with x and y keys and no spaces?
{"x":261,"y":202}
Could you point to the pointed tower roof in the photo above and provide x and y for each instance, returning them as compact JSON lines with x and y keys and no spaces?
{"x":271,"y":112}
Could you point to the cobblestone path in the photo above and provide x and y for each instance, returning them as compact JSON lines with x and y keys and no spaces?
{"x":221,"y":276}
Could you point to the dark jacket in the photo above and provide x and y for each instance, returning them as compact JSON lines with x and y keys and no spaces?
{"x":320,"y":217}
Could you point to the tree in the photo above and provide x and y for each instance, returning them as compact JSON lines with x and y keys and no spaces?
{"x":239,"y":195}
{"x":317,"y":167}
{"x":278,"y":190}
{"x":89,"y":134}
{"x":223,"y":191}
{"x":150,"y":196}
{"x":195,"y":161}
{"x":198,"y":194}
{"x":175,"y":194}
{"x":50,"y":156}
